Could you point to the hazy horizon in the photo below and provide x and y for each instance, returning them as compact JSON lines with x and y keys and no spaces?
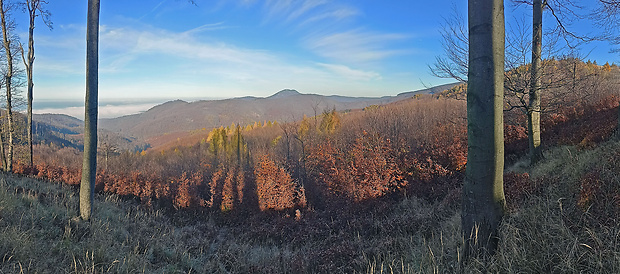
{"x":118,"y":107}
{"x":108,"y":108}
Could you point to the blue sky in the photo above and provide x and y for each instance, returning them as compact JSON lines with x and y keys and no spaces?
{"x":153,"y":50}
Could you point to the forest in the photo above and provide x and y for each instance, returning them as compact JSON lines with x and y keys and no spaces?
{"x":378,"y":189}
{"x":412,"y":147}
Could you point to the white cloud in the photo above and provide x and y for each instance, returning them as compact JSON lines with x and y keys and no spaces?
{"x":301,"y":12}
{"x":208,"y":27}
{"x":142,"y":60}
{"x":355,"y":46}
{"x":350,"y":73}
{"x":337,"y":14}
{"x":305,"y":7}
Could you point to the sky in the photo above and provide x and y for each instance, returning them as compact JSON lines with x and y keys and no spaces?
{"x":152,"y":51}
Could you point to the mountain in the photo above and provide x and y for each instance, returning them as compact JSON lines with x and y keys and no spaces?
{"x":285,"y":93}
{"x":286,"y":105}
{"x":66,"y":131}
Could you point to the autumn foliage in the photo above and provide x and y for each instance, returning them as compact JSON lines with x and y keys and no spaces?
{"x":367,"y":169}
{"x":417,"y":146}
{"x":275,"y":188}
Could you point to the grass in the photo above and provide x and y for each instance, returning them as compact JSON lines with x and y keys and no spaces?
{"x":546,"y":233}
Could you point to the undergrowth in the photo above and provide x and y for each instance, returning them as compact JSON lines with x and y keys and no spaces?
{"x":563,"y":218}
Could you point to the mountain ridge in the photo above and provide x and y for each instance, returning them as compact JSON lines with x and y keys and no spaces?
{"x":283,"y":106}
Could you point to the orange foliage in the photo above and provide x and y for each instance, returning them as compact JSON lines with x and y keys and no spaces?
{"x":275,"y":187}
{"x":368,"y":169}
{"x":419,"y":145}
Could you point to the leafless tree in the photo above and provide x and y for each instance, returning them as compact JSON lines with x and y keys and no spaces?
{"x":455,"y":45}
{"x":607,"y":17}
{"x":525,"y":76}
{"x":8,"y":41}
{"x":34,"y":8}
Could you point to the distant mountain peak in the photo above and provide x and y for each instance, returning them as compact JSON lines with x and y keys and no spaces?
{"x":285,"y":93}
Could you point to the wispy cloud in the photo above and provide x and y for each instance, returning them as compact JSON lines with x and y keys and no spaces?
{"x":302,"y":12}
{"x":305,"y":7}
{"x":208,"y":27}
{"x":154,"y":9}
{"x":334,"y":51}
{"x":355,"y":46}
{"x":332,"y":30}
{"x":350,"y":73}
{"x":337,"y":14}
{"x":157,"y":61}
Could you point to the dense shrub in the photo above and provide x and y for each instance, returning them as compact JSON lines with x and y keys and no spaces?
{"x":368,"y":169}
{"x":275,"y":188}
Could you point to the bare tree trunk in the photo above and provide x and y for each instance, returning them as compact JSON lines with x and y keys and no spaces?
{"x":533,"y":111}
{"x":2,"y":154}
{"x":32,"y":14}
{"x":483,"y":203}
{"x":89,"y":165}
{"x":239,"y":146}
{"x":8,"y":78}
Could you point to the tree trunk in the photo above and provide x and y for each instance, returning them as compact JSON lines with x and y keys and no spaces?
{"x":29,"y":62}
{"x":483,"y":203}
{"x":533,"y":111}
{"x":89,"y":165}
{"x":8,"y":78}
{"x":2,"y":155}
{"x":239,"y":146}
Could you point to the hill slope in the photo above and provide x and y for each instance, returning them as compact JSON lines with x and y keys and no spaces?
{"x":286,"y":105}
{"x":545,"y":230}
{"x":66,"y":131}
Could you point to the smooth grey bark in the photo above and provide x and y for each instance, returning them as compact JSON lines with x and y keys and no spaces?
{"x":89,"y":164}
{"x":533,"y":111}
{"x":8,"y":78}
{"x":483,"y":202}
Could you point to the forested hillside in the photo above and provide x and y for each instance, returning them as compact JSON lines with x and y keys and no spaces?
{"x":284,"y":106}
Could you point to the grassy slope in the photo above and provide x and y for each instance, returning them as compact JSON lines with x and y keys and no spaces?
{"x":546,"y":232}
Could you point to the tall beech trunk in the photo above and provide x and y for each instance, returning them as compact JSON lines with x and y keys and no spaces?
{"x":8,"y":77}
{"x":89,"y":165}
{"x":533,"y":111}
{"x":483,"y":203}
